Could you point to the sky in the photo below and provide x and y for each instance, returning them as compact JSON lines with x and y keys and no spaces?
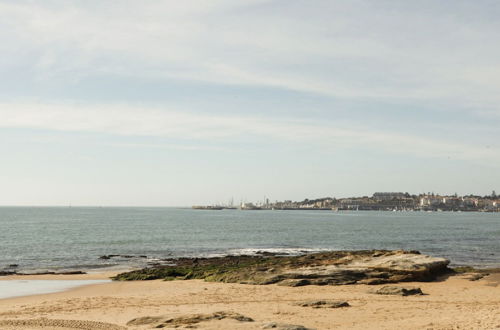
{"x":175,"y":103}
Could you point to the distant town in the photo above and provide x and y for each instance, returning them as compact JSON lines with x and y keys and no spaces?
{"x":379,"y":201}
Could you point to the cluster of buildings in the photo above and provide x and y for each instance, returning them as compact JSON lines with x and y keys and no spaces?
{"x":388,"y":201}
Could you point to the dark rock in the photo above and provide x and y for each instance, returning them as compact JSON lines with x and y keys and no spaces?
{"x":323,"y":303}
{"x":6,"y":273}
{"x":294,"y":283}
{"x":399,"y":291}
{"x":13,"y":265}
{"x":125,"y":256}
{"x":109,"y":256}
{"x":71,"y":272}
{"x":266,"y":253}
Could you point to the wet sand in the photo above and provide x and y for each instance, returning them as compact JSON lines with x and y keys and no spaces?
{"x":451,"y":303}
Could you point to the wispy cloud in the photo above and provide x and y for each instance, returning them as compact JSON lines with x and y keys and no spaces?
{"x":403,"y":53}
{"x":196,"y":129}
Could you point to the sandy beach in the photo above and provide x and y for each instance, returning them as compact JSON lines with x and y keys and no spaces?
{"x":452,"y":302}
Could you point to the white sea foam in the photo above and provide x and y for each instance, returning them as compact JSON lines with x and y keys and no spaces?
{"x":254,"y":252}
{"x":18,"y":288}
{"x":277,"y":251}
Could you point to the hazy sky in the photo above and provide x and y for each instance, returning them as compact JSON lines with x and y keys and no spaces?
{"x":189,"y":102}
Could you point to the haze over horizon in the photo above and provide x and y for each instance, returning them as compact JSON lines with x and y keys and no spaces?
{"x":175,"y":103}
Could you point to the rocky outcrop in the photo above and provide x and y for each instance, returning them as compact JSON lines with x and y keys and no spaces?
{"x":399,"y":291}
{"x":325,"y":268}
{"x":188,"y":320}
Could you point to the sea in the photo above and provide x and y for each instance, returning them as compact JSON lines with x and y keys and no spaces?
{"x":35,"y":239}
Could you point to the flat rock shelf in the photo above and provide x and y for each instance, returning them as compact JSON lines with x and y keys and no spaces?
{"x":324,"y":268}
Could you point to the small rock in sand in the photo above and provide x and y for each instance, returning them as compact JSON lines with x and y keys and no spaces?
{"x":399,"y":291}
{"x":284,"y":326}
{"x":474,"y":276}
{"x":189,"y":320}
{"x":323,"y":303}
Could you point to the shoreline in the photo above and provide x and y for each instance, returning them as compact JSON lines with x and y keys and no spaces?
{"x":261,"y":258}
{"x":95,"y":272}
{"x":37,"y":285}
{"x":207,"y":268}
{"x":14,"y":288}
{"x":60,"y":277}
{"x":9,"y":271}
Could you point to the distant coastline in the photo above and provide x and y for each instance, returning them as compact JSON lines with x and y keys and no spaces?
{"x":380,"y":201}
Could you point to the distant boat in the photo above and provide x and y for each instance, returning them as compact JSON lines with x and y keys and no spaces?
{"x":249,"y":206}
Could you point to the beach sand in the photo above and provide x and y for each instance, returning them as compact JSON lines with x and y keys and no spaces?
{"x":450,"y":303}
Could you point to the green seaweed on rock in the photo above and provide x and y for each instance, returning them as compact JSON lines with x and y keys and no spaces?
{"x":324,"y":268}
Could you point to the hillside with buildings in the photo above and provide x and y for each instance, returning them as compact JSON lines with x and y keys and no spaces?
{"x":384,"y":201}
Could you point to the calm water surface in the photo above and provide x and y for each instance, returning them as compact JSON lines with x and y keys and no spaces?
{"x":71,"y":238}
{"x":18,"y":288}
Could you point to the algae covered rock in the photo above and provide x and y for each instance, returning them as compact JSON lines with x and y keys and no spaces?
{"x":325,"y":268}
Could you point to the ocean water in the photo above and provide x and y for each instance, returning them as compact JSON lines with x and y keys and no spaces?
{"x":18,"y":288}
{"x":62,"y":238}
